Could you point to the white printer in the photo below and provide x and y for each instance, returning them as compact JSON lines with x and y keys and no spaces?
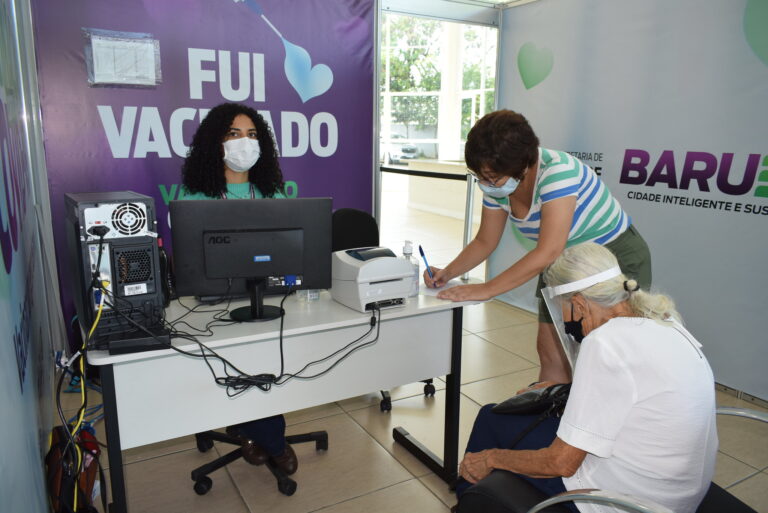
{"x":367,"y":278}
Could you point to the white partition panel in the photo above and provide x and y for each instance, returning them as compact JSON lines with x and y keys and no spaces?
{"x":669,"y":100}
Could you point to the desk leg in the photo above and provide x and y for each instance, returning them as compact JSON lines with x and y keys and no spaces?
{"x":446,"y":468}
{"x":114,"y":453}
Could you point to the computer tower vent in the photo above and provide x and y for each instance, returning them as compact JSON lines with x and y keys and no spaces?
{"x":129,"y":218}
{"x":133,"y":266}
{"x":116,"y":231}
{"x":120,"y":218}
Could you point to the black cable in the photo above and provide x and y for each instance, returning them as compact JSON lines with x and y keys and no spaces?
{"x":263,"y":381}
{"x":218,"y":313}
{"x":238,"y":381}
{"x":375,"y":321}
{"x":71,"y":442}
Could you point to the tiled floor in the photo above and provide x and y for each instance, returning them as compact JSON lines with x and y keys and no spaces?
{"x":364,"y":470}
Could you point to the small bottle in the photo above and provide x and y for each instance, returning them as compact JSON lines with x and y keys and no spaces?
{"x":166,"y":274}
{"x":408,"y":255}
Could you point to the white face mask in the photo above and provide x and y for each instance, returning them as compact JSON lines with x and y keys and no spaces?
{"x":241,"y":154}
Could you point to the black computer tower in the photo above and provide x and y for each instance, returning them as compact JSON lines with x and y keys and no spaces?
{"x":129,"y":269}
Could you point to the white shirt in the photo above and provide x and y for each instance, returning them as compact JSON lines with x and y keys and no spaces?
{"x":642,"y":404}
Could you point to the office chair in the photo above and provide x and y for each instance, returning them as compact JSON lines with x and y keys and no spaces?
{"x":505,"y":492}
{"x":352,"y":228}
{"x":285,"y":484}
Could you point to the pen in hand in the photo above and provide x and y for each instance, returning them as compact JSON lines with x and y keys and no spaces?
{"x":423,"y":256}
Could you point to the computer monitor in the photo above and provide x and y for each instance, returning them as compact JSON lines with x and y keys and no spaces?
{"x":251,"y":247}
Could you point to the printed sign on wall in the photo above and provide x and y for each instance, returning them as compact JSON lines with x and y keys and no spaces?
{"x":669,"y":108}
{"x":124,"y":85}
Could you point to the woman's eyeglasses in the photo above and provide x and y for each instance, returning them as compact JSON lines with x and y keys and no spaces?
{"x":485,"y":180}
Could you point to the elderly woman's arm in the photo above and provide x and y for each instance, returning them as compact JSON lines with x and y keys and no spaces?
{"x":557,"y":460}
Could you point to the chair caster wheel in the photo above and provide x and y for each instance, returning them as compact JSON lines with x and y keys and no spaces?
{"x":286,"y":486}
{"x":321,"y":444}
{"x":203,"y":444}
{"x":386,"y":404}
{"x":429,"y":390}
{"x":203,"y":486}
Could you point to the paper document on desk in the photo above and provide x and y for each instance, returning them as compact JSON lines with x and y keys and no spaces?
{"x":426,"y":291}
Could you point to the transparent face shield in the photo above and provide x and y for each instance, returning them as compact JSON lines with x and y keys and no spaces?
{"x":553,"y":298}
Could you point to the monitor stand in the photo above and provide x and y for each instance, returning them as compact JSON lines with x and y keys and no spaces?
{"x":257,"y":311}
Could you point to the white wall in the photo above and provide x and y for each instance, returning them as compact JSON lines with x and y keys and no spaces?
{"x":27,"y":288}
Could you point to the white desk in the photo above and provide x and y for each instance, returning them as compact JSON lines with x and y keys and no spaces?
{"x":419,"y":341}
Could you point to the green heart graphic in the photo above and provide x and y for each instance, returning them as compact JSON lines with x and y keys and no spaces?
{"x":534,"y":64}
{"x":755,"y":23}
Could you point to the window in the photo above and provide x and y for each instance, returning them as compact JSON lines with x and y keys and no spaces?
{"x":436,"y":79}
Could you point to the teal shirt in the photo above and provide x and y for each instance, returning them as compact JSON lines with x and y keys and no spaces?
{"x":234,"y":191}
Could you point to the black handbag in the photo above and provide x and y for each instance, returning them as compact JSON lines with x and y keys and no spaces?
{"x":547,"y":402}
{"x":551,"y":399}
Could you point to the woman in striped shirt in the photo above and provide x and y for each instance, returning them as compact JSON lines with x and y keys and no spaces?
{"x":555,"y":200}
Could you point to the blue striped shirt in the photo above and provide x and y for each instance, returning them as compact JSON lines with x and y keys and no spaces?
{"x":598,"y":217}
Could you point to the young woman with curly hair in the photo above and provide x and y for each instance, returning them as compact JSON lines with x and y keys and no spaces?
{"x":233,"y":155}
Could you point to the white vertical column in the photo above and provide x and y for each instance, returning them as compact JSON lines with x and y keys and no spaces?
{"x":384,"y":93}
{"x":449,"y":110}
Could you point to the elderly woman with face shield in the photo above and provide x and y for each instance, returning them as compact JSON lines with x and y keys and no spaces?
{"x":640,"y":418}
{"x":553,"y":199}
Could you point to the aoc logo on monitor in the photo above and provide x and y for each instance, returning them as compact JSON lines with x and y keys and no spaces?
{"x":219,"y":239}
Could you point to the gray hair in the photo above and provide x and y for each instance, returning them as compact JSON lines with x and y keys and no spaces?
{"x":587,"y":259}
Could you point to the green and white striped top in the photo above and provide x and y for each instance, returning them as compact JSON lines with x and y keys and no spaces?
{"x":598,"y":216}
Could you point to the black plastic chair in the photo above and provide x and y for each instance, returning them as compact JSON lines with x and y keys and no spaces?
{"x":353,"y":228}
{"x":285,"y":484}
{"x":504,"y":492}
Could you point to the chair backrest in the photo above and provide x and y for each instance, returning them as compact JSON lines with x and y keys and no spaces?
{"x":352,"y":228}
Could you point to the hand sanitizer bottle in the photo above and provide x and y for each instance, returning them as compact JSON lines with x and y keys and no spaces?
{"x":408,"y":255}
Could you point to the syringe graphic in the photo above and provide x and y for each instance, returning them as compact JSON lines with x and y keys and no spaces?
{"x":307,"y":80}
{"x":252,"y":5}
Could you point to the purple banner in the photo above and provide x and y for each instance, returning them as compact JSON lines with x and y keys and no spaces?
{"x":124,"y":85}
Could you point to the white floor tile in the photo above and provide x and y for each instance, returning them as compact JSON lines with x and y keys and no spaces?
{"x":163,"y":484}
{"x":519,"y":339}
{"x":481,"y":359}
{"x":421,"y":417}
{"x":493,"y":315}
{"x":497,"y":389}
{"x":411,"y":495}
{"x":753,"y":491}
{"x":354,"y":465}
{"x":374,"y":398}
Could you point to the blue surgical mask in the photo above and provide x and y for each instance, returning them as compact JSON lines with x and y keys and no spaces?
{"x":500,"y":192}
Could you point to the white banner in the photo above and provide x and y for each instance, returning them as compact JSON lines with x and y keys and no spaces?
{"x":668,"y":101}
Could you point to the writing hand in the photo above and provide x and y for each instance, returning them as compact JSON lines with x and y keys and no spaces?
{"x":438,"y":279}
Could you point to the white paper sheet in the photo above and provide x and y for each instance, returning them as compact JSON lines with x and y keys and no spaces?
{"x":426,"y":291}
{"x":122,"y":61}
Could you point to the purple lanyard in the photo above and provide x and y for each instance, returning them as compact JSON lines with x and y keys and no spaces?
{"x":250,"y":188}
